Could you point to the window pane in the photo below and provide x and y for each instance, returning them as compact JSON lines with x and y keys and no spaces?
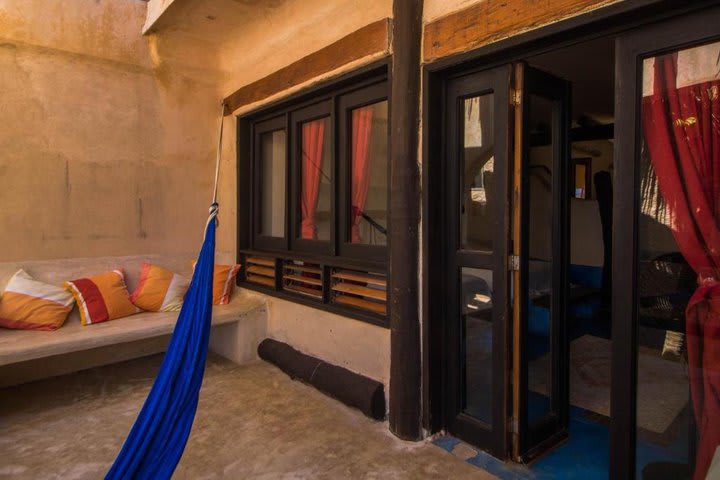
{"x":368,"y":175}
{"x":679,"y":247}
{"x":272,"y":201}
{"x":476,"y":313}
{"x":478,"y":157}
{"x":540,"y":262}
{"x":315,"y":180}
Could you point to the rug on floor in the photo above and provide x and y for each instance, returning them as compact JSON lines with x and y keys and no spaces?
{"x":662,"y":394}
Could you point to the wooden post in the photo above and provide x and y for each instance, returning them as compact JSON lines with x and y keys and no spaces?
{"x":405,"y":362}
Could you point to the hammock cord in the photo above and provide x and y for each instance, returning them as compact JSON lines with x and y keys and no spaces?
{"x":158,"y":437}
{"x":219,"y":152}
{"x":214,"y":205}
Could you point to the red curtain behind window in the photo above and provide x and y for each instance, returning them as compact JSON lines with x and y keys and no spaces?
{"x":682,"y":135}
{"x":313,"y":136}
{"x":361,"y":132}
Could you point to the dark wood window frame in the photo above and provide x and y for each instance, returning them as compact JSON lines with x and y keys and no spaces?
{"x":266,"y":242}
{"x":335,"y":99}
{"x":321,"y":110}
{"x":346,"y":104}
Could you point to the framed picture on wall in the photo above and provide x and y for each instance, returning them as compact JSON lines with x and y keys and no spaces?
{"x":580,"y":178}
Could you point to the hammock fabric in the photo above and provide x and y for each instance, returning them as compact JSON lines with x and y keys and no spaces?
{"x":156,"y":442}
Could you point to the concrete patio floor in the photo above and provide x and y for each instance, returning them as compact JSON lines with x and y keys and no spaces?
{"x":252,"y":422}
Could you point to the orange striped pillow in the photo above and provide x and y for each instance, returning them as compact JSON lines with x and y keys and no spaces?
{"x":28,"y":304}
{"x":159,"y":289}
{"x":223,"y":282}
{"x":102,"y":297}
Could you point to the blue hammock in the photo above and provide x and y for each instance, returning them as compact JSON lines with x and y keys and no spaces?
{"x":156,"y":442}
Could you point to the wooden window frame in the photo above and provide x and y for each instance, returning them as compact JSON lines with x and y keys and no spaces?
{"x":334,"y":99}
{"x":266,"y":242}
{"x":346,"y":104}
{"x":318,"y":111}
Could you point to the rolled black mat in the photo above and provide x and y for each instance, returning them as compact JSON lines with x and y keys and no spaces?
{"x":352,"y":389}
{"x":294,"y":363}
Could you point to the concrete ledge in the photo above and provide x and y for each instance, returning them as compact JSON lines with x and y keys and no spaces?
{"x":22,"y":345}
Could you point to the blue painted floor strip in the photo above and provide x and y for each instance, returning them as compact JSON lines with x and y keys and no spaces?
{"x":584,"y":456}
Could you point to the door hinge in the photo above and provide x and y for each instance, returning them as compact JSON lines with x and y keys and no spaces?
{"x":516,"y":98}
{"x":514,"y":263}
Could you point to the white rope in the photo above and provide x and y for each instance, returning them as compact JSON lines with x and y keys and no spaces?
{"x":214,"y":205}
{"x":219,"y":152}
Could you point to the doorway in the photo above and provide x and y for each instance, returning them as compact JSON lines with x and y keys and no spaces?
{"x":511,"y":136}
{"x":545,"y":359}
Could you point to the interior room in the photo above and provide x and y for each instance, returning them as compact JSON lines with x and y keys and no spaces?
{"x":664,"y":418}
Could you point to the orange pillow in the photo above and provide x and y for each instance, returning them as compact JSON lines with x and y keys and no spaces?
{"x":102,"y":297}
{"x":223,"y":282}
{"x":28,"y":304}
{"x":159,"y":289}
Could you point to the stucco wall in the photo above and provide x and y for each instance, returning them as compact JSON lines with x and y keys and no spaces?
{"x":107,"y":144}
{"x":355,"y":345}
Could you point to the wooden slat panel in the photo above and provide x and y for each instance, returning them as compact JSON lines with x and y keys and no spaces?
{"x":368,"y":40}
{"x":267,"y":272}
{"x":268,"y":262}
{"x":302,"y":268}
{"x":269,"y":282}
{"x":363,"y":304}
{"x":304,"y":290}
{"x":308,"y":280}
{"x":360,"y":277}
{"x":358,"y":290}
{"x":490,"y":20}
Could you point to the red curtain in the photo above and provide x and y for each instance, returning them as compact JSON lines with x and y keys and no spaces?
{"x":361,"y":132}
{"x":682,"y":136}
{"x":313,"y":136}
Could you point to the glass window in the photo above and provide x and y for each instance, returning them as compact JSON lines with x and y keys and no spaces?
{"x":478,"y":156}
{"x":540,"y":316}
{"x":315,"y":180}
{"x":368,"y":175}
{"x":273,"y":172}
{"x":476,"y":311}
{"x":678,"y":408}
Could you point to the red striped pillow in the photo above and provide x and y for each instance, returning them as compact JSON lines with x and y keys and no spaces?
{"x":102,"y":297}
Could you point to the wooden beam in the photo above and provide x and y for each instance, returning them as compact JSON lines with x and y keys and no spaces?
{"x":369,"y":40}
{"x":405,"y":360}
{"x":490,"y":20}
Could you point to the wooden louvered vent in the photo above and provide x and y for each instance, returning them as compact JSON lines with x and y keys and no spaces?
{"x":361,"y":290}
{"x":303,"y":278}
{"x":260,"y":270}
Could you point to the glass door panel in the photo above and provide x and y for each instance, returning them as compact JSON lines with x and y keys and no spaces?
{"x":678,"y":242}
{"x":476,"y":279}
{"x":544,"y":199}
{"x":666,"y":244}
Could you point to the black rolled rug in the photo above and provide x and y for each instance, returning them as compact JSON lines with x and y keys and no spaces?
{"x":352,"y":389}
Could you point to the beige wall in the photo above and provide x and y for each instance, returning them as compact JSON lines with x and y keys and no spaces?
{"x":107,"y":147}
{"x":355,"y":345}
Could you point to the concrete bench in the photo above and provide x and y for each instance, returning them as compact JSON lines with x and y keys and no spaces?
{"x":237,"y":328}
